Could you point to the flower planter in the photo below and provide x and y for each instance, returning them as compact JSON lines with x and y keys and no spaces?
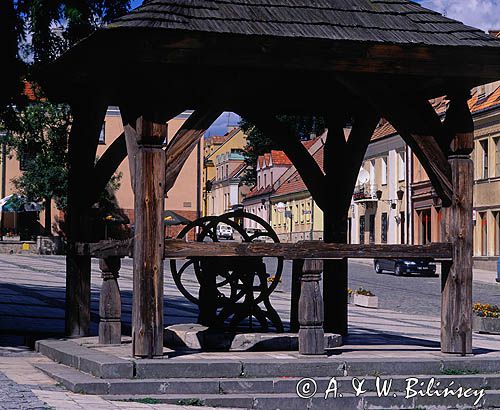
{"x":366,"y":301}
{"x":489,"y":325}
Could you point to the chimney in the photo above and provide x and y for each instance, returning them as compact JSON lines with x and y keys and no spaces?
{"x":495,"y":33}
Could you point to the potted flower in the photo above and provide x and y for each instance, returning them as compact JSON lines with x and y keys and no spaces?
{"x":486,"y":318}
{"x":350,"y":296}
{"x":365,"y":298}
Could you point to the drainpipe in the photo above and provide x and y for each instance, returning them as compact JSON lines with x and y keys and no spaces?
{"x":409,"y":202}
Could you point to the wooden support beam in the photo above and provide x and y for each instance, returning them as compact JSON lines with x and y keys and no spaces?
{"x":287,"y":139}
{"x":149,"y":188}
{"x":107,"y":165}
{"x":185,"y":140}
{"x":342,"y":161}
{"x":456,"y":302}
{"x":311,"y":314}
{"x":88,"y":116}
{"x":180,"y":249}
{"x":110,"y":305}
{"x":416,"y":122}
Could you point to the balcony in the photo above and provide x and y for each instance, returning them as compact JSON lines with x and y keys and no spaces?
{"x":365,"y":193}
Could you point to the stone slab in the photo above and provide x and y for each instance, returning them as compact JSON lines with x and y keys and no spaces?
{"x":151,"y":368}
{"x":198,"y":337}
{"x":87,"y":360}
{"x":74,"y":380}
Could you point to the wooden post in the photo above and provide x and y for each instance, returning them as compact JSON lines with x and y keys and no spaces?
{"x":149,"y":188}
{"x":342,"y":159}
{"x":456,"y":302}
{"x":88,"y":117}
{"x":110,"y":305}
{"x":297,"y":267}
{"x":311,"y":314}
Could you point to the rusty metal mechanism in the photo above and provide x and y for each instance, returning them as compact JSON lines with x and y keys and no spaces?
{"x":232,"y":292}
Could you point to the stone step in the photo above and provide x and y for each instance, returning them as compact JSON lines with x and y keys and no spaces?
{"x":108,"y":366}
{"x":84,"y":383}
{"x":290,"y":401}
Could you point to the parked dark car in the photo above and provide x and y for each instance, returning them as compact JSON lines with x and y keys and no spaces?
{"x":425,"y":266}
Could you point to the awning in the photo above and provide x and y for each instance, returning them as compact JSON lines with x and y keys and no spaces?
{"x":17,"y":203}
{"x":171,"y":218}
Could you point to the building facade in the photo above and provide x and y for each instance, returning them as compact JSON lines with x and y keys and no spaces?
{"x":223,"y":168}
{"x":379,"y":208}
{"x":270,"y":168}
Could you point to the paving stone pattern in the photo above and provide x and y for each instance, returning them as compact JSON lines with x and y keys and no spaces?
{"x":15,"y":396}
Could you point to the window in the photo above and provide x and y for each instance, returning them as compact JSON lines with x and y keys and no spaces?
{"x":402,"y":223}
{"x":401,"y":166}
{"x":496,"y":218}
{"x":372,"y":172}
{"x":384,"y":171}
{"x":265,"y":180}
{"x":372,"y":229}
{"x":361,"y":229}
{"x":187,"y":204}
{"x":296,"y":219}
{"x":484,"y":158}
{"x":258,"y":182}
{"x":349,"y":230}
{"x":227,"y":171}
{"x":425,"y":226}
{"x":384,"y":227}
{"x":102,"y":134}
{"x":483,"y":218}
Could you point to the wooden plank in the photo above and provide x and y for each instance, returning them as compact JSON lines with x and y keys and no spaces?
{"x":311,"y":312}
{"x":179,"y":249}
{"x":185,"y":140}
{"x":88,"y":116}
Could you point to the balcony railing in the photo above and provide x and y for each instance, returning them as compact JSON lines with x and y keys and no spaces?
{"x":366,"y":192}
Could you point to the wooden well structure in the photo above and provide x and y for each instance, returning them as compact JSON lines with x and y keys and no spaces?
{"x":352,"y":62}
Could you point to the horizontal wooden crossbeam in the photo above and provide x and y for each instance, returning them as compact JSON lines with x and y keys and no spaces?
{"x":179,"y":249}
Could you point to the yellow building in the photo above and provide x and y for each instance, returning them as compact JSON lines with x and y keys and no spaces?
{"x":294,"y":214}
{"x":221,"y":173}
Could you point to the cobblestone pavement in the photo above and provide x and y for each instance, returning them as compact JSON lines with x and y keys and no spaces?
{"x":32,"y":292}
{"x":15,"y":396}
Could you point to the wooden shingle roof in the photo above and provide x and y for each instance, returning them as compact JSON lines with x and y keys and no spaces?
{"x":376,"y":21}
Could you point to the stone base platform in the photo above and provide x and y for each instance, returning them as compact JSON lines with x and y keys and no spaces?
{"x":269,"y":380}
{"x":198,"y":337}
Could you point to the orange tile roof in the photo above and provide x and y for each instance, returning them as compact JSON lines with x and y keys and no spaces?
{"x":257,"y":192}
{"x":295,"y":183}
{"x":280,"y":158}
{"x":493,"y":100}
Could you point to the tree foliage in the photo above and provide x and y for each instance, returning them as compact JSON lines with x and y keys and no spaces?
{"x":40,"y":142}
{"x":258,"y":143}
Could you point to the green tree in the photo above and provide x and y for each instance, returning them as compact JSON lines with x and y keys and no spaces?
{"x":258,"y":143}
{"x":40,"y":142}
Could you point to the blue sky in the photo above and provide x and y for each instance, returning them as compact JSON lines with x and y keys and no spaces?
{"x":484,"y":14}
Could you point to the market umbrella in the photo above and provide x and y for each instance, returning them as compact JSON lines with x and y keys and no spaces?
{"x":170,"y":218}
